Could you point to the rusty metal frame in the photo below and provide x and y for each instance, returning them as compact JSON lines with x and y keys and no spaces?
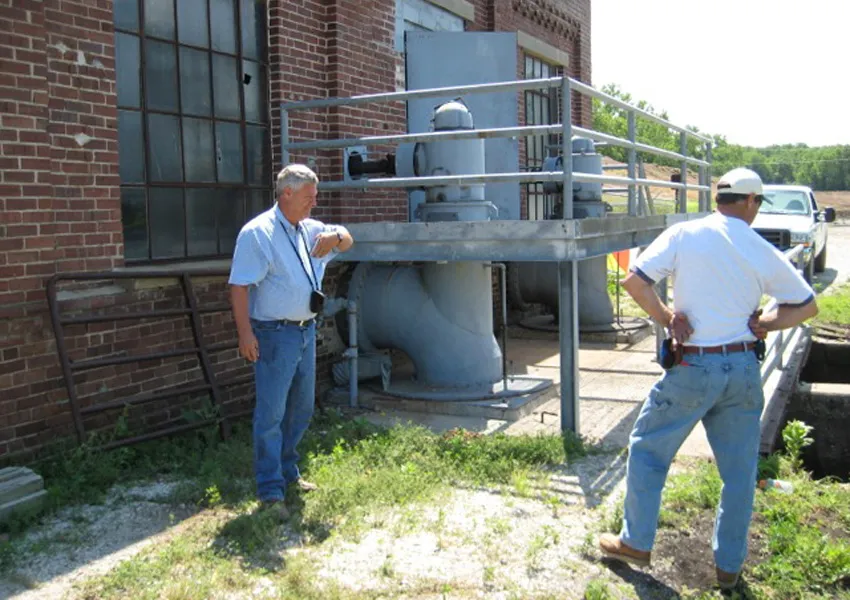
{"x":200,"y":349}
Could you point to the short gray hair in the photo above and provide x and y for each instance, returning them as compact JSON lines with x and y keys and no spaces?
{"x":294,"y":176}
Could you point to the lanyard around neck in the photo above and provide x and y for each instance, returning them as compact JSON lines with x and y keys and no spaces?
{"x":314,"y":281}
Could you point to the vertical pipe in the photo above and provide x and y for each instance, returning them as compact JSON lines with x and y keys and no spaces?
{"x":568,"y":325}
{"x":683,"y":169}
{"x":284,"y":137}
{"x":352,"y":354}
{"x":567,"y":284}
{"x":632,"y":209}
{"x":503,"y":289}
{"x":567,"y":147}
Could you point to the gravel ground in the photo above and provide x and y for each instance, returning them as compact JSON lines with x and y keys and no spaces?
{"x":481,"y":542}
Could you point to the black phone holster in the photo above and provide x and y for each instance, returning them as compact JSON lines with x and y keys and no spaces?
{"x":317,"y":301}
{"x":669,"y":358}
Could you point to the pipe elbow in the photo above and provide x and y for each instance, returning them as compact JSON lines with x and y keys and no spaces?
{"x":441,"y":316}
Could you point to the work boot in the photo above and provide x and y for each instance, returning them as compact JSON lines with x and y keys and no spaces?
{"x":613,"y":547}
{"x":306,"y":486}
{"x":276,"y":507}
{"x":726,"y":580}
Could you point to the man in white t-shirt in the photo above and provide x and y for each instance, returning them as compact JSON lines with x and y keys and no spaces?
{"x":720,"y":269}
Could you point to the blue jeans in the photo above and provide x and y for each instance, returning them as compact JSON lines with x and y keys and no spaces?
{"x":725,"y":392}
{"x":285,"y":382}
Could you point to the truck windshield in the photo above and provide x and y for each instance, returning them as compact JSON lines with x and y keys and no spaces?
{"x":785,"y":202}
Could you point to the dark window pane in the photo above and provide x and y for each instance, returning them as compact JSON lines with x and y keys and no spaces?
{"x":253,"y":24}
{"x":159,"y":18}
{"x":198,"y":153}
{"x":164,"y":147}
{"x":254,"y":84}
{"x":166,"y":214}
{"x":226,"y":87}
{"x":231,"y":217}
{"x":201,"y":212}
{"x":529,"y":68}
{"x":257,"y":147}
{"x":135,"y":222}
{"x":260,"y":201}
{"x":131,"y":154}
{"x":195,"y":82}
{"x":128,"y":66}
{"x":125,"y":14}
{"x":223,"y":21}
{"x":228,"y":152}
{"x":192,"y":22}
{"x":161,"y":76}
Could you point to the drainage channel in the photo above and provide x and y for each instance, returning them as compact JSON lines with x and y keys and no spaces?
{"x":823,"y":401}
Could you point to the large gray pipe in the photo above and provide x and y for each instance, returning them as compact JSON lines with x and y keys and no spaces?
{"x":537,"y":282}
{"x":440,"y":315}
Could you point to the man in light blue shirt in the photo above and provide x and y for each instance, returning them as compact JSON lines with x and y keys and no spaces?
{"x":275,"y":291}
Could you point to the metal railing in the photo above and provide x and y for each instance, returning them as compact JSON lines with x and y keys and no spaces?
{"x":566,"y":129}
{"x":778,"y":341}
{"x":567,"y":269}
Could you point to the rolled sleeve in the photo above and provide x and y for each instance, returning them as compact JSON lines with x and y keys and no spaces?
{"x":659,"y":259}
{"x":786,"y":284}
{"x":250,"y":263}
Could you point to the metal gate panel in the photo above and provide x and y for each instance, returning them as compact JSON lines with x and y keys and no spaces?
{"x":443,"y":58}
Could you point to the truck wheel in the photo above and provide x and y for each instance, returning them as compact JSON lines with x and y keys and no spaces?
{"x":809,"y":271}
{"x":820,"y":261}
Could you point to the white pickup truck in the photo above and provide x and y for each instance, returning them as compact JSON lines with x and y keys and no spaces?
{"x":791,"y":218}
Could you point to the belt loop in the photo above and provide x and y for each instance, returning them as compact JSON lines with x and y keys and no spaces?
{"x":725,"y":350}
{"x":701,"y":352}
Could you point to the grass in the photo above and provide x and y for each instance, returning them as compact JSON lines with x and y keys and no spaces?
{"x":807,"y":532}
{"x":361,"y":469}
{"x":366,"y":473}
{"x":835,"y":307}
{"x":628,"y":307}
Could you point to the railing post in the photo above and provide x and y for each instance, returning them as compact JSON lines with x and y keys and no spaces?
{"x":567,"y":148}
{"x":683,"y":167}
{"x":708,"y":176}
{"x":632,"y":207}
{"x":568,"y":331}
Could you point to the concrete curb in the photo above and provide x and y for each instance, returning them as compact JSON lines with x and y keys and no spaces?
{"x":777,"y":398}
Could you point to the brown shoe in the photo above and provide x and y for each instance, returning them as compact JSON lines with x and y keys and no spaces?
{"x":306,"y":486}
{"x":277,"y":507}
{"x":727,"y":580}
{"x":613,"y":547}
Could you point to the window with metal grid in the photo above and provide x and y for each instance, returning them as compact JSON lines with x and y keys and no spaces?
{"x":542,"y":107}
{"x":193,"y":124}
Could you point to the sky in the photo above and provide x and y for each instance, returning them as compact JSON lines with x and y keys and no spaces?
{"x":754,"y":71}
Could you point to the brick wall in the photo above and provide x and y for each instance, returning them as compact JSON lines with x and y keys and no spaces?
{"x":60,"y":201}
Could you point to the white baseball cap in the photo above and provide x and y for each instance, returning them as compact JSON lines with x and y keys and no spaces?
{"x":741,"y":181}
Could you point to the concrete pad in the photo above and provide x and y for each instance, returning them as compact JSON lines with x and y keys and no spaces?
{"x":614,"y":381}
{"x":20,"y":490}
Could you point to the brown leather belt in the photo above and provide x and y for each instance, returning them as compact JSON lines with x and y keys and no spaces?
{"x":736,"y":347}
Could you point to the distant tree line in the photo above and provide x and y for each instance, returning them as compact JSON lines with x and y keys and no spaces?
{"x":823,"y":168}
